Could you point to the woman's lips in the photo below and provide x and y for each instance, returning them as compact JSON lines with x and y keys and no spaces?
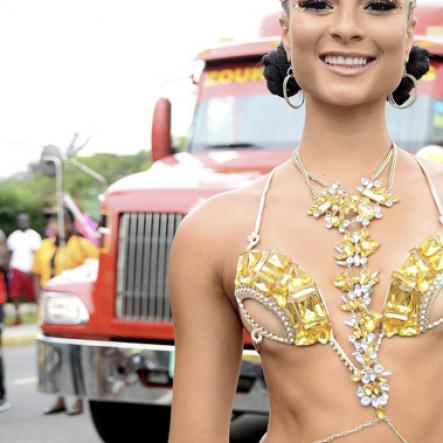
{"x":346,"y":69}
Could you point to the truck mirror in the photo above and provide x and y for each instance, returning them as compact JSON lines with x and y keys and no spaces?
{"x":161,"y":129}
{"x":50,"y":155}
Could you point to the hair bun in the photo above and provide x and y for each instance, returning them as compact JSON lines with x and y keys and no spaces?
{"x":418,"y":65}
{"x":276,"y":66}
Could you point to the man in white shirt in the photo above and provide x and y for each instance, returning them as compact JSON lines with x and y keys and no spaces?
{"x":22,"y":243}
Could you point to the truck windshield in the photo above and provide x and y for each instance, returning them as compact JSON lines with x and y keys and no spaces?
{"x":266,"y":122}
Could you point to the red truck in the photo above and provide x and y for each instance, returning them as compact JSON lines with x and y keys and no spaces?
{"x":106,"y":330}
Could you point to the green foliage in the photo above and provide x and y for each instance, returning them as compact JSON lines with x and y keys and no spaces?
{"x":32,"y":191}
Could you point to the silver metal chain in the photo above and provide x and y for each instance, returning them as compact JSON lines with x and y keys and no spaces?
{"x":359,"y":428}
{"x":362,"y":427}
{"x":390,"y":160}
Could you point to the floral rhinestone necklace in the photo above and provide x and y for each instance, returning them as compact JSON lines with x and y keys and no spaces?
{"x":351,"y":215}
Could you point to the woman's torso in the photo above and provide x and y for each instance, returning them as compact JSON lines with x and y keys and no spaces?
{"x":55,"y":259}
{"x":310,"y":390}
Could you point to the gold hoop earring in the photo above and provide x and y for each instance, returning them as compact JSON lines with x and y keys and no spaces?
{"x":285,"y":90}
{"x":412,"y":99}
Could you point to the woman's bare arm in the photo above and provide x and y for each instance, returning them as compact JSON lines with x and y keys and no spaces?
{"x":208,"y":333}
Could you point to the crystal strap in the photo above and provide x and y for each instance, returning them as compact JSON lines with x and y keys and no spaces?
{"x":254,"y":237}
{"x":342,"y":355}
{"x":432,"y":188}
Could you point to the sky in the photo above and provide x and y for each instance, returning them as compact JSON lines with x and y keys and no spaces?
{"x":97,"y":67}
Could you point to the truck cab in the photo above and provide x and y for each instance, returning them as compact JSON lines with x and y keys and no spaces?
{"x":107,"y":333}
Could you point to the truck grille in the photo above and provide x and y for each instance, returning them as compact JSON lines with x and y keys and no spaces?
{"x":144,"y":244}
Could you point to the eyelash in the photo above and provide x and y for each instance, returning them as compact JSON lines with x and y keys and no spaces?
{"x":322,"y":5}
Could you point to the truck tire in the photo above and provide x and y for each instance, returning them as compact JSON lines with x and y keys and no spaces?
{"x":128,"y":422}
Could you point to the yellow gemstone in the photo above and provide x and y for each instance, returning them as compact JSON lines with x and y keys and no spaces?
{"x":324,"y":333}
{"x":366,"y":278}
{"x":376,"y":194}
{"x":367,"y":360}
{"x":409,"y":329}
{"x":354,"y":304}
{"x":337,"y":219}
{"x":321,"y":205}
{"x":344,"y":281}
{"x":348,"y":251}
{"x":414,"y":264}
{"x":245,"y":267}
{"x":391,"y":327}
{"x":306,"y":307}
{"x":370,"y":320}
{"x":346,"y":307}
{"x":299,"y":281}
{"x":357,"y":332}
{"x":401,"y":310}
{"x":432,"y":245}
{"x":436,"y":261}
{"x":380,"y":413}
{"x":269,"y":271}
{"x":366,"y":210}
{"x":368,"y":247}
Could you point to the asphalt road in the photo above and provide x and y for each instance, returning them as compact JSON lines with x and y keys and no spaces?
{"x":24,"y":422}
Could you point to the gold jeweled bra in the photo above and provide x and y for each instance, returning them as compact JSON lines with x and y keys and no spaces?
{"x":274,"y":280}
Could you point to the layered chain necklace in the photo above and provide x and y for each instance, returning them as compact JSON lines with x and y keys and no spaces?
{"x":351,"y":215}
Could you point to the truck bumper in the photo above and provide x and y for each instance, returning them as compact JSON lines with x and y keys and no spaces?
{"x":130,"y":372}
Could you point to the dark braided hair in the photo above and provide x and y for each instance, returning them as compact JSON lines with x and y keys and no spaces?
{"x":276,"y":65}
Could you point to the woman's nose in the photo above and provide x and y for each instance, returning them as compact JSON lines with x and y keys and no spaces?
{"x":346,"y":25}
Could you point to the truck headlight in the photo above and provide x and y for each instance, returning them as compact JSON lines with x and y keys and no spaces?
{"x":62,"y":308}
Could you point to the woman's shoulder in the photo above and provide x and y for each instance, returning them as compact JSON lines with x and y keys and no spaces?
{"x":227,"y":209}
{"x":223,"y":219}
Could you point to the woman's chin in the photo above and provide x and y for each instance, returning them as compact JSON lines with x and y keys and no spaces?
{"x":346,"y":100}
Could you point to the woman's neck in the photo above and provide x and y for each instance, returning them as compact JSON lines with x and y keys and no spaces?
{"x":344,"y":144}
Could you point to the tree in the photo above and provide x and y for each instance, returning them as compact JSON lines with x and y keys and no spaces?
{"x":30,"y":192}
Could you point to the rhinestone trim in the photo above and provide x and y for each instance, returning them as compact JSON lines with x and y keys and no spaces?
{"x":426,"y":304}
{"x":242,"y":293}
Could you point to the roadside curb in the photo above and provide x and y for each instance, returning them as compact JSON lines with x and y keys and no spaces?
{"x":20,"y":335}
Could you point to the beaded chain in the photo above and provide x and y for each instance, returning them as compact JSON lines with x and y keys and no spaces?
{"x":351,"y":215}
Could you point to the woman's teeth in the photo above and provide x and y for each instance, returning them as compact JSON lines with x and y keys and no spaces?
{"x":346,"y":61}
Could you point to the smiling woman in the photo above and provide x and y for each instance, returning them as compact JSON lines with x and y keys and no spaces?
{"x":331,"y":333}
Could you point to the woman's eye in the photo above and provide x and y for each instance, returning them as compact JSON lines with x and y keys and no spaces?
{"x":320,"y":5}
{"x":382,"y":5}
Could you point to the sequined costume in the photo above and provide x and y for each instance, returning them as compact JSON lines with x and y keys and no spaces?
{"x":273,"y":279}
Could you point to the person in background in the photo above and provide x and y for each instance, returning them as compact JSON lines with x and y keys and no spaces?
{"x":4,"y":258}
{"x":22,"y":243}
{"x":50,"y":259}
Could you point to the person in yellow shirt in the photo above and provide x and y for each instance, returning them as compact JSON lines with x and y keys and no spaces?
{"x":50,"y":260}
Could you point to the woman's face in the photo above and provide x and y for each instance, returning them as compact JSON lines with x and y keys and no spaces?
{"x":348,"y":52}
{"x":52,"y":226}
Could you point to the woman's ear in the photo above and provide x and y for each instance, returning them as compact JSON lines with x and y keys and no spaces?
{"x":285,"y":35}
{"x":410,"y":36}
